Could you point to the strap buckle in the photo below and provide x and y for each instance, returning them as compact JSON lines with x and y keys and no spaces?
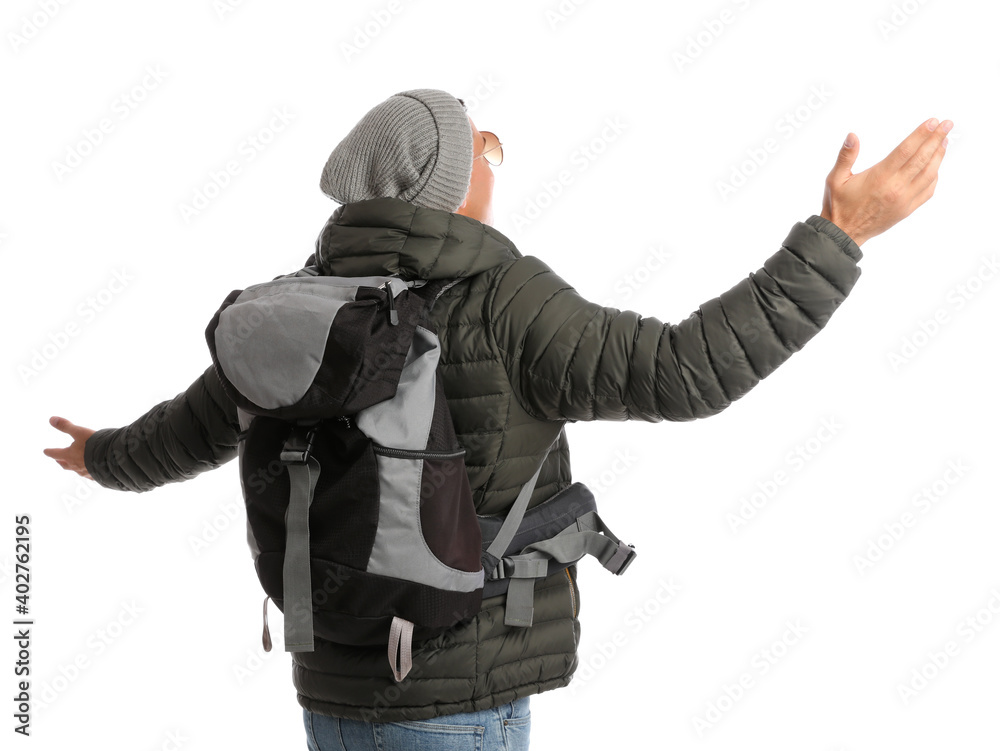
{"x":520,"y":567}
{"x":503,"y":570}
{"x":298,"y":445}
{"x":622,"y":559}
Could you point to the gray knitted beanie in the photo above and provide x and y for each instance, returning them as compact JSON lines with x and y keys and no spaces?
{"x":416,"y":145}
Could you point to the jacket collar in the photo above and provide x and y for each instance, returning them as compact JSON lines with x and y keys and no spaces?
{"x":386,"y":236}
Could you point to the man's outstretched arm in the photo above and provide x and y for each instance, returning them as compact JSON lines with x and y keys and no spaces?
{"x":569,"y":358}
{"x":175,"y":440}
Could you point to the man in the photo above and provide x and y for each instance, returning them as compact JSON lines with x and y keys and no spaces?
{"x":522,"y":354}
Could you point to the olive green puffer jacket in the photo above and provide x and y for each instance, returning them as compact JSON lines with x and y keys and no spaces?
{"x":522,"y":354}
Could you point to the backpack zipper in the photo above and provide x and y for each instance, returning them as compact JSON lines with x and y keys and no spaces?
{"x":411,"y":454}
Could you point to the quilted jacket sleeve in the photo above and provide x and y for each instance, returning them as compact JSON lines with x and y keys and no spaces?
{"x":571,"y":359}
{"x":175,"y":440}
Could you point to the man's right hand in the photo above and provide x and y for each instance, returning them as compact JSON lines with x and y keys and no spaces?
{"x":71,"y":457}
{"x":868,"y":203}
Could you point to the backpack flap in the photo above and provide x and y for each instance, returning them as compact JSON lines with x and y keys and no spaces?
{"x":313,"y":347}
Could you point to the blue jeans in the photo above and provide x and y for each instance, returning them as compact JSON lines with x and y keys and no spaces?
{"x":503,"y":728}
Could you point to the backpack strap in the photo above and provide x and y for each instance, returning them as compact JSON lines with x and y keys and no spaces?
{"x":520,"y":606}
{"x":587,"y":535}
{"x":303,"y":472}
{"x":512,"y":521}
{"x":401,"y":643}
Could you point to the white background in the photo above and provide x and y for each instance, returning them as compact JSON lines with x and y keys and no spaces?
{"x":546,"y":78}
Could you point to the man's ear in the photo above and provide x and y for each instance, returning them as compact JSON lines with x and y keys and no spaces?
{"x":464,"y":200}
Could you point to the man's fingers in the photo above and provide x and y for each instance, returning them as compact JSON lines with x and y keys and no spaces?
{"x":61,"y":456}
{"x":61,"y":423}
{"x":66,"y":464}
{"x":925,"y":153}
{"x":909,"y":146}
{"x":846,"y":158}
{"x":929,"y":173}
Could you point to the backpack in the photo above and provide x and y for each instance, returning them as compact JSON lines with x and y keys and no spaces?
{"x":360,"y":518}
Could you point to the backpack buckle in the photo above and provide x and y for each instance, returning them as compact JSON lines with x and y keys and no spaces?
{"x":514,"y":567}
{"x":298,"y":445}
{"x":622,"y":559}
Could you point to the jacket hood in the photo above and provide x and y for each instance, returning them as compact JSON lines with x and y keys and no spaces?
{"x":385,"y":236}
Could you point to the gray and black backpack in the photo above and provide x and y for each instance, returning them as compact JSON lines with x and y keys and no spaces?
{"x":360,"y":517}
